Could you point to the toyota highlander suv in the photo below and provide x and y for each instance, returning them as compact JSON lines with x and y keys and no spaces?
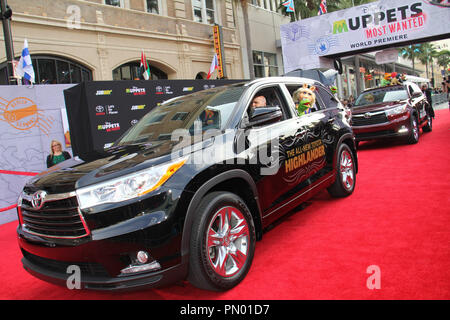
{"x":392,"y":111}
{"x":187,"y":191}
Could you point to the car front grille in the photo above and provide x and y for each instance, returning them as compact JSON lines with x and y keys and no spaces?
{"x":368,"y":119}
{"x":59,"y":217}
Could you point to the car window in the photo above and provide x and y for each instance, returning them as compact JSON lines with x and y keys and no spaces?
{"x":294,"y":93}
{"x":328,"y":100}
{"x":269,"y":97}
{"x":415,"y":88}
{"x":212,"y":108}
{"x":389,"y":94}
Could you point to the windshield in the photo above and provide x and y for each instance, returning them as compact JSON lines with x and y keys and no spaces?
{"x":212,"y":108}
{"x":381,"y":95}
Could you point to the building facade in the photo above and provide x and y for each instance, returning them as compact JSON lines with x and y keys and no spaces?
{"x":76,"y":40}
{"x":265,"y":56}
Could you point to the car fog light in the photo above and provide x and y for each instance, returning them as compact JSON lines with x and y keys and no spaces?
{"x":142,"y":257}
{"x":152,"y":266}
{"x":403,"y":129}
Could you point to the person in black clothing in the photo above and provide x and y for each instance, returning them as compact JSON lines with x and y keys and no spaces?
{"x":57,"y":154}
{"x":427,"y":92}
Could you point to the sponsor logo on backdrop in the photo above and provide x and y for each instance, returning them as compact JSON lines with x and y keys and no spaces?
{"x":99,"y":110}
{"x":108,"y":126}
{"x":107,"y":145}
{"x":138,"y":107}
{"x":104,"y":92}
{"x":134,"y":121}
{"x":163,"y":90}
{"x":188,"y":89}
{"x":104,"y":110}
{"x":111,"y":109}
{"x":23,"y":114}
{"x":168,"y":90}
{"x":136,"y":91}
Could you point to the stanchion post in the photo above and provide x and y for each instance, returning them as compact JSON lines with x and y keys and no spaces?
{"x":5,"y":16}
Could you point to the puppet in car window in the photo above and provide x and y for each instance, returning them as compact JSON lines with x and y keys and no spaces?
{"x":304,"y":98}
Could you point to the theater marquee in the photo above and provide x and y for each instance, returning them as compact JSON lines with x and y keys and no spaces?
{"x":307,"y":43}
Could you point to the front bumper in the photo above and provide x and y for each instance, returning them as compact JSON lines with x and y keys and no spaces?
{"x":107,"y":251}
{"x":398,"y":127}
{"x":34,"y":265}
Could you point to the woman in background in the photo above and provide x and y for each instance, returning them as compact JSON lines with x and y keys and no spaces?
{"x":57,"y":154}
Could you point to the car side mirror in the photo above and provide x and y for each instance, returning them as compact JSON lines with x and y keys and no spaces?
{"x":264,"y":115}
{"x":416,"y":94}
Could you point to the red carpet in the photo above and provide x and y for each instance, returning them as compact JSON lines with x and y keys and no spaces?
{"x":397,"y":219}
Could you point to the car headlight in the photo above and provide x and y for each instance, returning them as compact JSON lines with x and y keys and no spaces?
{"x":129,"y":186}
{"x":397,"y":110}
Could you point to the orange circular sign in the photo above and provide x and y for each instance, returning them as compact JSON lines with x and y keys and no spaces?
{"x":21,"y":113}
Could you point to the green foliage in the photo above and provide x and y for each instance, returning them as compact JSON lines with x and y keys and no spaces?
{"x":443,"y":58}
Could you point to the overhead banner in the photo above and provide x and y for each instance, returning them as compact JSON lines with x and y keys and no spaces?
{"x":218,"y":48}
{"x":370,"y":27}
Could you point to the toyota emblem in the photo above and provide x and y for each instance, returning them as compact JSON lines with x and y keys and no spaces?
{"x":37,"y":200}
{"x":367,"y":115}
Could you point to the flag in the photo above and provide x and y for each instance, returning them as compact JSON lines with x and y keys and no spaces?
{"x":289,"y":6}
{"x":214,"y":66}
{"x":144,"y":66}
{"x":25,"y":67}
{"x":322,"y":7}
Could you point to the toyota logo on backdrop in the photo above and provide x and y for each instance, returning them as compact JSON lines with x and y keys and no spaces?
{"x":37,"y":200}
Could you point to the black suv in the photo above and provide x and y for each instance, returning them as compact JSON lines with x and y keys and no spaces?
{"x":187,"y":191}
{"x":392,"y":111}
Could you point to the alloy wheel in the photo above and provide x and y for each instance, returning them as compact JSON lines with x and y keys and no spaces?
{"x":346,"y":169}
{"x":415,"y":129}
{"x":227,"y":241}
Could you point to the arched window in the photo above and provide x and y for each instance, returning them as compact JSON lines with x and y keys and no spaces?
{"x":201,"y":75}
{"x":133,"y":71}
{"x":53,"y":70}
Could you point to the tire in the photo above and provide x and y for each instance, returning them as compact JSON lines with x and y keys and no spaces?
{"x":222,"y":243}
{"x":345,"y":181}
{"x":429,"y":126}
{"x":414,"y":130}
